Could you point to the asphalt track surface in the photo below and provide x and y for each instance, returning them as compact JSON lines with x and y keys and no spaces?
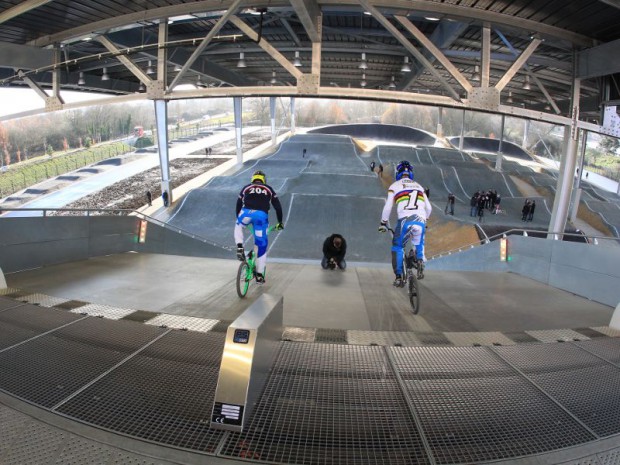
{"x":330,"y":189}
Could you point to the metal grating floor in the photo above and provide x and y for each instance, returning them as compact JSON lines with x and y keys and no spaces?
{"x":474,"y":407}
{"x":48,"y":369}
{"x":8,"y":303}
{"x":164,"y":394}
{"x":330,"y":404}
{"x":566,"y":372}
{"x":21,"y":323}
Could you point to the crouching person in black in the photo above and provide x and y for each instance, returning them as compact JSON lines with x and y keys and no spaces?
{"x":334,"y":250}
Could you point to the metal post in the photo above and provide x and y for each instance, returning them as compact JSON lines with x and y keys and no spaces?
{"x":526,"y":133}
{"x":161,"y":118}
{"x":577,"y":192}
{"x":238,"y":127}
{"x":462,"y":131}
{"x":498,"y":159}
{"x":440,"y":122}
{"x":564,"y":186}
{"x":272,"y":118}
{"x":292,"y":115}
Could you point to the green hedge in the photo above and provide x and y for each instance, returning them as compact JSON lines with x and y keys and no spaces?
{"x":23,"y":175}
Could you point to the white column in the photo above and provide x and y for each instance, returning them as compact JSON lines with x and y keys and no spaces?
{"x":238,"y":127}
{"x":440,"y":122}
{"x":564,"y":186}
{"x":292,"y":115}
{"x":498,"y":159}
{"x":161,"y":119}
{"x":272,"y":118}
{"x":462,"y":131}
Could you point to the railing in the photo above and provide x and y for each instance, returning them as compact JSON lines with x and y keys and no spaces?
{"x":589,"y":239}
{"x":120,"y":212}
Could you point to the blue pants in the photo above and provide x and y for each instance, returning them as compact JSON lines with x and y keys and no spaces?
{"x":406,"y":229}
{"x":260,"y":222}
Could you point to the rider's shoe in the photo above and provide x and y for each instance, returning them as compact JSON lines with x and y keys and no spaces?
{"x":398,"y":282}
{"x":260,"y":279}
{"x":420,"y":269}
{"x":240,"y":252}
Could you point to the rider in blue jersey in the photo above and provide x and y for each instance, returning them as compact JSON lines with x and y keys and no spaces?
{"x":413,"y":210}
{"x":252,"y":208}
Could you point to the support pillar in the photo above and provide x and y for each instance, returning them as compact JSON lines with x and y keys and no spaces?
{"x":238,"y":128}
{"x":161,"y":119}
{"x":577,"y":193}
{"x":462,"y":131}
{"x":272,"y":118}
{"x":440,"y":122}
{"x":498,"y":159}
{"x":564,"y":187}
{"x":526,"y":133}
{"x":292,"y":115}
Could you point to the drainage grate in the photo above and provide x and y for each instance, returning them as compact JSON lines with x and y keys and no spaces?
{"x":607,"y":348}
{"x":183,"y":322}
{"x":334,"y":336}
{"x":71,"y":304}
{"x":50,"y":368}
{"x":521,"y":337}
{"x":584,"y":384}
{"x":221,"y":326}
{"x":473,"y":407}
{"x":433,"y":339}
{"x":26,"y":321}
{"x":292,"y":333}
{"x":43,"y":300}
{"x":163,"y":394}
{"x":8,"y":303}
{"x":590,"y":332}
{"x":140,"y":316}
{"x":383,"y":338}
{"x":330,"y":404}
{"x":113,"y":313}
{"x":479,"y":339}
{"x":557,"y":335}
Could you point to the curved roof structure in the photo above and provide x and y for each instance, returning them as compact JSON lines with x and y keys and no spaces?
{"x":514,"y":57}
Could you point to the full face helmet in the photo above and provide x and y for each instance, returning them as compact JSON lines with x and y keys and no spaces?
{"x":259,"y":177}
{"x":404,"y":168}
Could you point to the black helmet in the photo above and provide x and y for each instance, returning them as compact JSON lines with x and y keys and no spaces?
{"x":259,"y":176}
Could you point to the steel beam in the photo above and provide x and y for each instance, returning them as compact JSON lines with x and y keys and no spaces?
{"x":599,"y":61}
{"x":161,"y":118}
{"x":436,"y":52}
{"x":409,"y":46}
{"x":25,"y":56}
{"x":131,"y":66}
{"x":485,"y":68}
{"x":519,"y":62}
{"x":212,"y":33}
{"x":309,"y":14}
{"x":267,"y":47}
{"x":21,"y":8}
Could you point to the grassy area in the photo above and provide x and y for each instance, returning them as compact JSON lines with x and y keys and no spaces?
{"x":23,"y":175}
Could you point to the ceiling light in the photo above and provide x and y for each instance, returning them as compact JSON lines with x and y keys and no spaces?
{"x":177,"y":68}
{"x":273,"y":77}
{"x":392,"y":84}
{"x":241,"y":62}
{"x":363,"y":83}
{"x":141,"y":87}
{"x":406,"y":68}
{"x":548,"y":107}
{"x":363,"y":64}
{"x":149,"y":68}
{"x":199,"y":82}
{"x":432,"y":18}
{"x":81,"y":80}
{"x":105,"y":76}
{"x":297,"y":61}
{"x":526,"y":83}
{"x":476,"y":76}
{"x":509,"y":99}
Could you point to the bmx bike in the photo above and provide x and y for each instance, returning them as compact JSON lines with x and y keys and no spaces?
{"x":247,"y":270}
{"x":413,"y":270}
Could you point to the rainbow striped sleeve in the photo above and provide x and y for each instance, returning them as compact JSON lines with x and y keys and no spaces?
{"x":403,"y":196}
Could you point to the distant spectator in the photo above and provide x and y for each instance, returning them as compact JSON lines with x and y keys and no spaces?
{"x":149,"y":198}
{"x":525,"y":211}
{"x":450,"y":204}
{"x":372,"y":166}
{"x":427,"y":191}
{"x":587,"y":174}
{"x":482,"y":200}
{"x":303,"y":154}
{"x":164,"y":197}
{"x":498,"y":199}
{"x":530,"y":215}
{"x":380,"y":170}
{"x":473,"y":203}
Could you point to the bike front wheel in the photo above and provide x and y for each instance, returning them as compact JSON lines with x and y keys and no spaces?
{"x":414,"y":293}
{"x":243,"y":279}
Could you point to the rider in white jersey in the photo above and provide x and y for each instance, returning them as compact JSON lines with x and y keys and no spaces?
{"x":413,"y":210}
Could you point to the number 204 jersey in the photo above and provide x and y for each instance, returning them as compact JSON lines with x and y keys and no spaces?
{"x":409,"y":198}
{"x":258,"y":197}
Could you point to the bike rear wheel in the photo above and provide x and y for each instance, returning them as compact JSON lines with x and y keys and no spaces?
{"x":243,"y":279}
{"x":414,"y":292}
